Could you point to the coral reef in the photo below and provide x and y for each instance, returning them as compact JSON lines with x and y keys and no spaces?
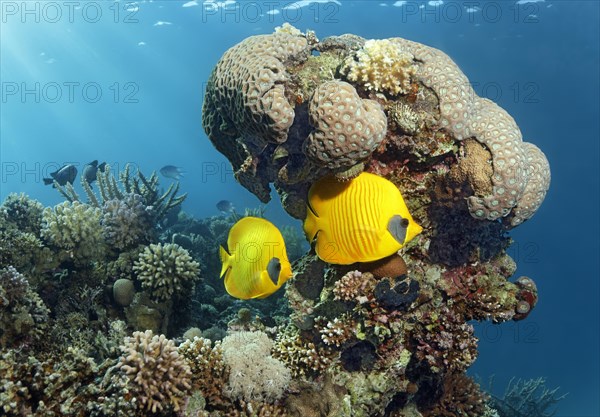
{"x":166,"y":270}
{"x":427,"y":98}
{"x":102,"y":313}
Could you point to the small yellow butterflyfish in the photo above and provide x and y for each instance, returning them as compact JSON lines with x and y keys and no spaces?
{"x":255,"y":263}
{"x":361,"y":220}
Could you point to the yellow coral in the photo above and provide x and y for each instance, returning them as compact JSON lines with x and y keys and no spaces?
{"x":381,"y":65}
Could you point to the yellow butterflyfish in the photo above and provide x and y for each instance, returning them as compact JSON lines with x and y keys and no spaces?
{"x":361,"y":220}
{"x":255,"y":263}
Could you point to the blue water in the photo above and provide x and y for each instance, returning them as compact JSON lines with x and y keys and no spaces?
{"x":109,"y":81}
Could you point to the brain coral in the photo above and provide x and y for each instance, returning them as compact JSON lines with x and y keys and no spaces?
{"x":165,"y":269}
{"x":347,"y":127}
{"x":158,"y":375}
{"x":465,"y":115}
{"x":256,"y":112}
{"x":245,"y":106}
{"x":74,"y":227}
{"x":381,"y":65}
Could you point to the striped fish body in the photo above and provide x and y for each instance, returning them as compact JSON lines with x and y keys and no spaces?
{"x":351,"y":220}
{"x":253,"y":245}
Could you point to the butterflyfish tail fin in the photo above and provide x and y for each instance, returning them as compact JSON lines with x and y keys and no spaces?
{"x":225,"y":260}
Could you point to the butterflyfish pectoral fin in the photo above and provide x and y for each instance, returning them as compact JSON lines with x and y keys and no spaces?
{"x":274,"y":269}
{"x":398,"y":226}
{"x":225,"y":260}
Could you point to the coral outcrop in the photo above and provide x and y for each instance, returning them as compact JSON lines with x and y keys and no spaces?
{"x":290,"y":139}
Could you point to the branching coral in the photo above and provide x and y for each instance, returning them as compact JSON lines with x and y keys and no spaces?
{"x":74,"y":227}
{"x":527,"y":398}
{"x":158,"y":376}
{"x":23,"y":315}
{"x":445,"y":341}
{"x":127,"y":221}
{"x":381,"y":65}
{"x":165,"y":269}
{"x":461,"y":396}
{"x":109,"y":189}
{"x":302,"y":357}
{"x":209,"y":373}
{"x":22,"y":212}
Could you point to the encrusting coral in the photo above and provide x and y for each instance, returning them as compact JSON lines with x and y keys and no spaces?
{"x":165,"y":269}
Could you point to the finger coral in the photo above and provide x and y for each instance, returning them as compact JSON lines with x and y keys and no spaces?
{"x":165,"y":270}
{"x":209,"y":373}
{"x":159,"y":377}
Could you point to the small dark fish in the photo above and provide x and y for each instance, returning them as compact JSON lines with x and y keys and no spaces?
{"x":173,"y":172}
{"x":90,"y":171}
{"x":225,"y":206}
{"x":63,"y":175}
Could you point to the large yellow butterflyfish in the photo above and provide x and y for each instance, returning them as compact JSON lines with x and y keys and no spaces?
{"x":361,"y":220}
{"x":255,"y":263}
